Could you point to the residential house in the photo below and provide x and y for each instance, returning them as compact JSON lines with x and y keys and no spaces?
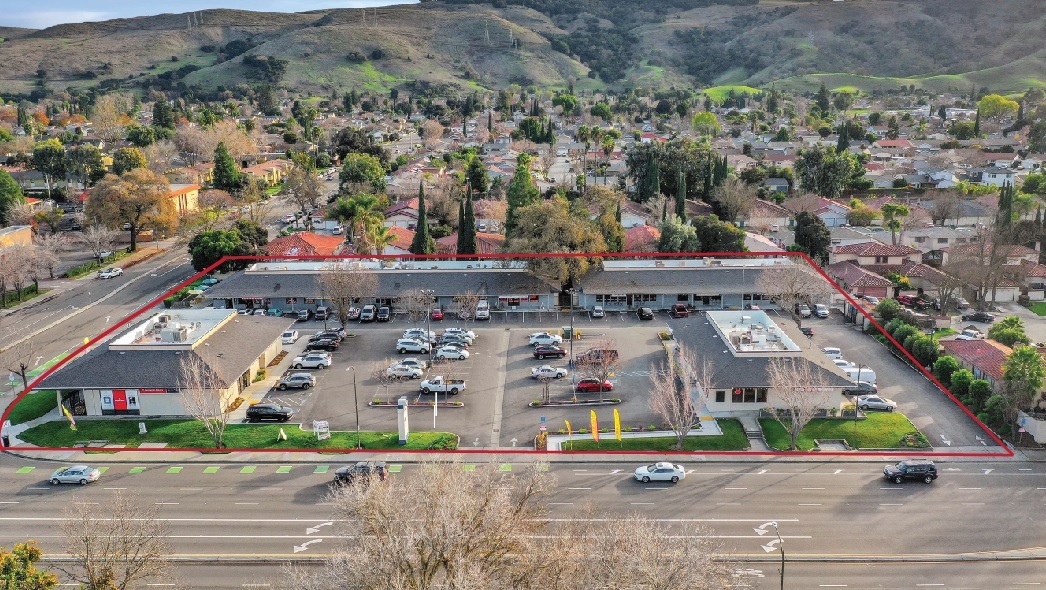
{"x":764,"y":214}
{"x":402,"y":214}
{"x":633,"y":214}
{"x":857,"y":280}
{"x":930,"y":240}
{"x":486,"y":243}
{"x":998,"y":176}
{"x":305,"y":244}
{"x":920,"y":276}
{"x":777,"y":185}
{"x":832,"y":213}
{"x":401,"y":240}
{"x":984,"y":358}
{"x":185,"y":198}
{"x":874,"y":252}
{"x":16,"y":235}
{"x":1001,"y":159}
{"x":271,"y":173}
{"x":642,"y":238}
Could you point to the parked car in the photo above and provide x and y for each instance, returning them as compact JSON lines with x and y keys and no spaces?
{"x":413,"y":363}
{"x":288,"y":218}
{"x":458,"y":339}
{"x":367,"y":313}
{"x":328,"y":344}
{"x":808,"y":332}
{"x":384,"y":314}
{"x":871,"y":299}
{"x":548,"y":372}
{"x":297,"y":381}
{"x":467,"y":333}
{"x":874,"y":402}
{"x":920,"y":469}
{"x":660,"y":471}
{"x":597,"y":312}
{"x":979,"y":316}
{"x":338,"y":335}
{"x":862,"y":388}
{"x":971,"y":334}
{"x":452,"y":352}
{"x":361,"y":471}
{"x":440,"y":385}
{"x":906,"y":300}
{"x":593,"y":386}
{"x":304,"y":315}
{"x":821,"y":310}
{"x":323,"y":312}
{"x":545,"y":338}
{"x":436,"y":315}
{"x":275,"y":412}
{"x":289,"y":337}
{"x":353,"y":313}
{"x":419,"y":334}
{"x":482,"y":310}
{"x":546,"y":350}
{"x":405,"y":345}
{"x":843,"y":363}
{"x":312,"y":360}
{"x":110,"y":273}
{"x":598,"y":355}
{"x":403,"y":372}
{"x":803,"y":310}
{"x":645,"y":313}
{"x":679,"y":310}
{"x":81,"y":474}
{"x":832,"y":352}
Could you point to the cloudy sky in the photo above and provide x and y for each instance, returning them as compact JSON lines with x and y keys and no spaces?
{"x":52,"y":12}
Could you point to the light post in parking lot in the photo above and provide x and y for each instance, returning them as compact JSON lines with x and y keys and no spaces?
{"x":570,"y":363}
{"x":356,"y":404}
{"x":428,"y":323}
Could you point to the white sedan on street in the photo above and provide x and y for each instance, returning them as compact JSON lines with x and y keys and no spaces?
{"x":660,"y":471}
{"x":548,"y":372}
{"x":110,"y":273}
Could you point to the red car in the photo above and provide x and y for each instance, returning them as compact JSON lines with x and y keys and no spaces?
{"x":592,"y":385}
{"x":437,"y":315}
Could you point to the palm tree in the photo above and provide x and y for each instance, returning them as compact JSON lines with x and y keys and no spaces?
{"x":362,"y":213}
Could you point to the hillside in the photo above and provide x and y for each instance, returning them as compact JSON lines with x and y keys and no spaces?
{"x":464,"y":44}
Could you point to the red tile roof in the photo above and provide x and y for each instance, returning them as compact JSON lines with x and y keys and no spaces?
{"x":1030,"y":269}
{"x":893,"y":143}
{"x":486,"y":243}
{"x":910,"y":269}
{"x":305,"y":244}
{"x":401,"y":238}
{"x":855,"y":276}
{"x":986,"y":355}
{"x":874,"y":248}
{"x":642,"y":238}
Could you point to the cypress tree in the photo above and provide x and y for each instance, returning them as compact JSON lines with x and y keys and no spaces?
{"x":1005,"y":205}
{"x":225,"y":177}
{"x":423,"y":242}
{"x":844,"y":140}
{"x":653,"y":187}
{"x":467,"y":227}
{"x":490,"y":122}
{"x":681,"y":195}
{"x":617,"y":215}
{"x":977,"y":124}
{"x":707,"y":189}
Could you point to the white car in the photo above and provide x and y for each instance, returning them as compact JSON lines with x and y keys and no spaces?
{"x":660,"y":471}
{"x":452,"y":352}
{"x":419,"y":334}
{"x":872,"y":300}
{"x":81,"y":474}
{"x":413,"y":363}
{"x":874,"y":402}
{"x":461,"y":332}
{"x":313,"y":360}
{"x":548,"y":372}
{"x":843,"y":363}
{"x":545,"y":338}
{"x":821,"y":310}
{"x":405,"y":345}
{"x":597,"y":312}
{"x":289,"y":218}
{"x":110,"y":273}
{"x":289,"y":337}
{"x":403,"y":372}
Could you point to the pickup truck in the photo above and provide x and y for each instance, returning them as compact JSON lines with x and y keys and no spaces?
{"x":440,"y":385}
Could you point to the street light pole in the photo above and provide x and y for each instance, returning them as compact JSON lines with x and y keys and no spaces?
{"x":356,"y":404}
{"x":777,"y":545}
{"x":571,"y":363}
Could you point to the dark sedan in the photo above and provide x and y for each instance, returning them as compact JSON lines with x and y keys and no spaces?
{"x":543,"y":351}
{"x":979,"y":316}
{"x":361,"y":470}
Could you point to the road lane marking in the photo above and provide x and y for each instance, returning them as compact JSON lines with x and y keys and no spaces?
{"x":579,"y":488}
{"x":810,"y":504}
{"x":25,"y":469}
{"x":1025,"y":469}
{"x":39,"y":488}
{"x":246,"y":503}
{"x":892,"y":488}
{"x":136,"y":470}
{"x":832,"y":585}
{"x":891,"y":504}
{"x":969,"y":488}
{"x":210,"y":469}
{"x":735,"y":488}
{"x":248,"y":469}
{"x":813,"y":488}
{"x":641,"y":503}
{"x":166,"y":503}
{"x":114,"y":488}
{"x":8,"y":502}
{"x":191,"y":489}
{"x":283,"y":469}
{"x":321,"y":469}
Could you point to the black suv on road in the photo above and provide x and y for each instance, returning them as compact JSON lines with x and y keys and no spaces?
{"x":361,"y":470}
{"x":259,"y":412}
{"x":922,"y":470}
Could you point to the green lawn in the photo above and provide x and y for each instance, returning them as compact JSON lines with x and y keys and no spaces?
{"x":191,"y":434}
{"x":34,"y":405}
{"x":1039,"y":308}
{"x":881,"y":430}
{"x":732,"y":439}
{"x":720,"y":93}
{"x":944,"y":332}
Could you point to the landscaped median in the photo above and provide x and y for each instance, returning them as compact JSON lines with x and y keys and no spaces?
{"x":732,"y":439}
{"x":191,"y":434}
{"x":878,"y":430}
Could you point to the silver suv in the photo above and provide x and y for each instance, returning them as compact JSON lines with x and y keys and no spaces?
{"x":312,"y":360}
{"x":297,"y":381}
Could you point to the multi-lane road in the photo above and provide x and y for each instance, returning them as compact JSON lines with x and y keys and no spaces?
{"x":841,"y":523}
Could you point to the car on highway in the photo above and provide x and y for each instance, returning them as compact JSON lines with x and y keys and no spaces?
{"x":361,"y":471}
{"x":289,"y":337}
{"x":412,"y":362}
{"x":645,"y":313}
{"x":267,"y":411}
{"x":328,"y":344}
{"x":297,"y":381}
{"x":593,"y":386}
{"x":923,"y":470}
{"x":541,"y":351}
{"x":548,"y":372}
{"x":81,"y":474}
{"x":403,"y":372}
{"x":451,"y":352}
{"x":660,"y":471}
{"x":110,"y":273}
{"x":405,"y":345}
{"x":875,"y":402}
{"x":312,"y":360}
{"x":597,"y":312}
{"x":979,"y":316}
{"x":436,"y":315}
{"x":545,"y":338}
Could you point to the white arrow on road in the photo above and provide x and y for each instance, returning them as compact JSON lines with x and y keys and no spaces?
{"x":615,"y":472}
{"x":514,"y":441}
{"x":316,"y":529}
{"x":769,"y":547}
{"x":987,"y":471}
{"x":761,"y":529}
{"x":946,"y":441}
{"x":305,"y":545}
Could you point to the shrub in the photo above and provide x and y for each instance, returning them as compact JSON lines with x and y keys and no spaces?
{"x":980,"y":391}
{"x":960,"y":383}
{"x":944,"y":368}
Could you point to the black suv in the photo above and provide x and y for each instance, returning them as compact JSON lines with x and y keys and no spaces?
{"x":923,"y":470}
{"x":979,"y":316}
{"x":260,"y":412}
{"x":328,"y":344}
{"x":361,"y":470}
{"x":645,"y":313}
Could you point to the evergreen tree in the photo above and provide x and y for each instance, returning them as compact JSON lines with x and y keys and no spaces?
{"x":707,"y":189}
{"x":844,"y":140}
{"x":681,"y":195}
{"x":1005,"y":214}
{"x":654,"y":179}
{"x":467,"y":227}
{"x":226,"y":176}
{"x":490,"y":122}
{"x":423,"y":242}
{"x":163,"y":115}
{"x":823,"y":101}
{"x":521,"y":191}
{"x":977,"y":124}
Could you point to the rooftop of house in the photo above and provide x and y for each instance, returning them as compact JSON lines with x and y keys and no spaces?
{"x":875,"y":248}
{"x":750,"y":331}
{"x":986,"y":355}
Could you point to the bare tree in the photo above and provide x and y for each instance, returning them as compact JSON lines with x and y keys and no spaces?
{"x":466,"y":304}
{"x":431,"y":131}
{"x":790,"y":284}
{"x":416,"y":302}
{"x":735,"y":199}
{"x":378,"y":372}
{"x":678,"y":388}
{"x":19,"y":267}
{"x":213,"y":204}
{"x":109,"y":117}
{"x":203,"y":397}
{"x":596,"y":364}
{"x":48,"y":248}
{"x":801,"y":389}
{"x":18,"y":358}
{"x":22,"y":214}
{"x":303,"y":189}
{"x":547,"y":159}
{"x":161,"y":156}
{"x":489,"y":530}
{"x":97,"y":239}
{"x":117,"y":546}
{"x":947,"y":204}
{"x":344,"y":285}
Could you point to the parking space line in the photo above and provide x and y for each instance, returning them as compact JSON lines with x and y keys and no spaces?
{"x":395,"y":468}
{"x":103,"y":469}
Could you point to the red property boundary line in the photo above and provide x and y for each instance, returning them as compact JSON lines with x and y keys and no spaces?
{"x":1005,"y":452}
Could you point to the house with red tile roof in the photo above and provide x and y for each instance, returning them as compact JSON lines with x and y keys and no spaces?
{"x":486,"y":243}
{"x":767,"y":214}
{"x":401,"y":240}
{"x":874,"y":252}
{"x":642,"y":238}
{"x":984,"y":358}
{"x":305,"y":244}
{"x":402,"y":214}
{"x":858,"y":281}
{"x":920,"y":276}
{"x":1034,"y":276}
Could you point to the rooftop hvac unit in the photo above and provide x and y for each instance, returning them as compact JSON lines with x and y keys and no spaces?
{"x":163,"y":318}
{"x":182,"y":334}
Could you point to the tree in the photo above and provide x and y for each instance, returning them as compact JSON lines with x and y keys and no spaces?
{"x":892,"y":215}
{"x":85,"y":163}
{"x":18,"y":568}
{"x":823,"y":101}
{"x":364,"y":215}
{"x":733,"y":199}
{"x":801,"y":389}
{"x":49,"y":160}
{"x":714,"y":235}
{"x":50,"y":217}
{"x":812,"y":235}
{"x":423,"y":242}
{"x":352,"y":140}
{"x":521,"y":192}
{"x":601,"y":109}
{"x":860,"y":214}
{"x":109,"y":117}
{"x":1009,"y":331}
{"x":127,"y":199}
{"x":127,"y":159}
{"x":303,"y":189}
{"x":944,"y":368}
{"x":677,"y":236}
{"x":476,"y":174}
{"x":600,"y":367}
{"x":467,"y":227}
{"x":208,"y":247}
{"x":226,"y":175}
{"x":344,"y":285}
{"x":555,"y":225}
{"x":431,"y":131}
{"x":705,"y":123}
{"x":995,"y":107}
{"x":466,"y":304}
{"x":824,"y":171}
{"x":118,"y":546}
{"x":98,"y":238}
{"x":947,"y":204}
{"x":10,"y":196}
{"x":791,"y":284}
{"x":48,"y":249}
{"x":678,"y":390}
{"x":681,"y":196}
{"x":1023,"y":375}
{"x":163,"y":115}
{"x":203,"y":398}
{"x":361,"y":172}
{"x":960,"y":382}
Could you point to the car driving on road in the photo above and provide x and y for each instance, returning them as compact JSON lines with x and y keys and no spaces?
{"x":923,"y":470}
{"x":361,"y":471}
{"x":660,"y":471}
{"x":110,"y":273}
{"x":81,"y":474}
